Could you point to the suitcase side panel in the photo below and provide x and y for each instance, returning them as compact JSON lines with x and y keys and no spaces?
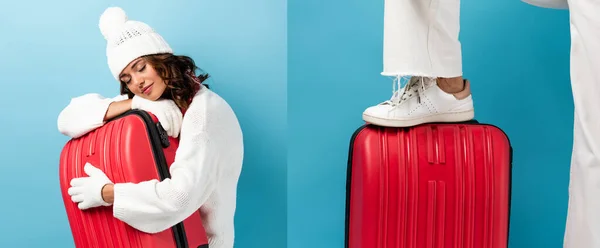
{"x":465,"y":177}
{"x":382,"y":210}
{"x":90,"y":228}
{"x":135,"y":166}
{"x":108,"y":150}
{"x":435,"y":185}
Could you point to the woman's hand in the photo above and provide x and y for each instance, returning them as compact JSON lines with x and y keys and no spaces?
{"x":87,"y":191}
{"x":168,"y":113}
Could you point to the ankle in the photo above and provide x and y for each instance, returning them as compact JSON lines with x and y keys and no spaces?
{"x":451,"y":85}
{"x":465,"y":92}
{"x":460,"y":88}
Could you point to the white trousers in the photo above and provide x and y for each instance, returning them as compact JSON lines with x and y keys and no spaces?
{"x":583,"y":218}
{"x":421,"y":38}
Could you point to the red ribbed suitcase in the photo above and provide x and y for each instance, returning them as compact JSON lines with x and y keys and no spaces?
{"x":437,"y":185}
{"x":130,"y":148}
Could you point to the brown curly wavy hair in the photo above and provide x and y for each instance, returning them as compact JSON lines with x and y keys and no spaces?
{"x":178,"y":72}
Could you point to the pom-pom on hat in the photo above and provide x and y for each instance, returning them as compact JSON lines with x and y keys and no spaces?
{"x":127,"y":39}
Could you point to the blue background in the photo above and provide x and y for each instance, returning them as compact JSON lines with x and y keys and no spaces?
{"x":50,"y":54}
{"x":511,"y":50}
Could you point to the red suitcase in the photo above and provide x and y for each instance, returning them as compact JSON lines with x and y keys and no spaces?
{"x":111,"y":148}
{"x":434,"y":185}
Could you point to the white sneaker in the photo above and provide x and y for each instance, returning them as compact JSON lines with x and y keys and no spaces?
{"x":420,"y":101}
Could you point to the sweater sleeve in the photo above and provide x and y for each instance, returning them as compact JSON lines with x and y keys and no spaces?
{"x":84,"y":114}
{"x":153,"y":206}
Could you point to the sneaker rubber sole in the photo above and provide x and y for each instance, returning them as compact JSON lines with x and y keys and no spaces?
{"x":443,"y":117}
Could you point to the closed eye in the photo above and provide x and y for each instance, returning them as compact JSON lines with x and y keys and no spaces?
{"x":125,"y":80}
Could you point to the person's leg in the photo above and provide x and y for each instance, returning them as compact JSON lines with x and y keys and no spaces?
{"x":421,"y":42}
{"x":583,"y":218}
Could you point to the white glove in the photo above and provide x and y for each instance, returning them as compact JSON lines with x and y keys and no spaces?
{"x":87,"y":191}
{"x":167,"y":112}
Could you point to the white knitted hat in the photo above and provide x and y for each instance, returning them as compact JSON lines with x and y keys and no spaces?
{"x":127,"y":39}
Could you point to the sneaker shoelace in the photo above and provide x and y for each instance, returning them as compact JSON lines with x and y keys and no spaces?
{"x":410,"y":88}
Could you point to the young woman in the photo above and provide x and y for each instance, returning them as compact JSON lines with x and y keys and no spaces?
{"x":208,"y":163}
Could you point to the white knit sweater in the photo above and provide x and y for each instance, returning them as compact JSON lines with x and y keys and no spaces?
{"x":204,"y":174}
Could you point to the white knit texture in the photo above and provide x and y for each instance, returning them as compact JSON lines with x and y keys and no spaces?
{"x":127,"y":39}
{"x":204,"y":174}
{"x":119,"y":56}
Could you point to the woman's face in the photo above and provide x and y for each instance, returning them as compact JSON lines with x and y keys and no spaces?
{"x":142,"y":80}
